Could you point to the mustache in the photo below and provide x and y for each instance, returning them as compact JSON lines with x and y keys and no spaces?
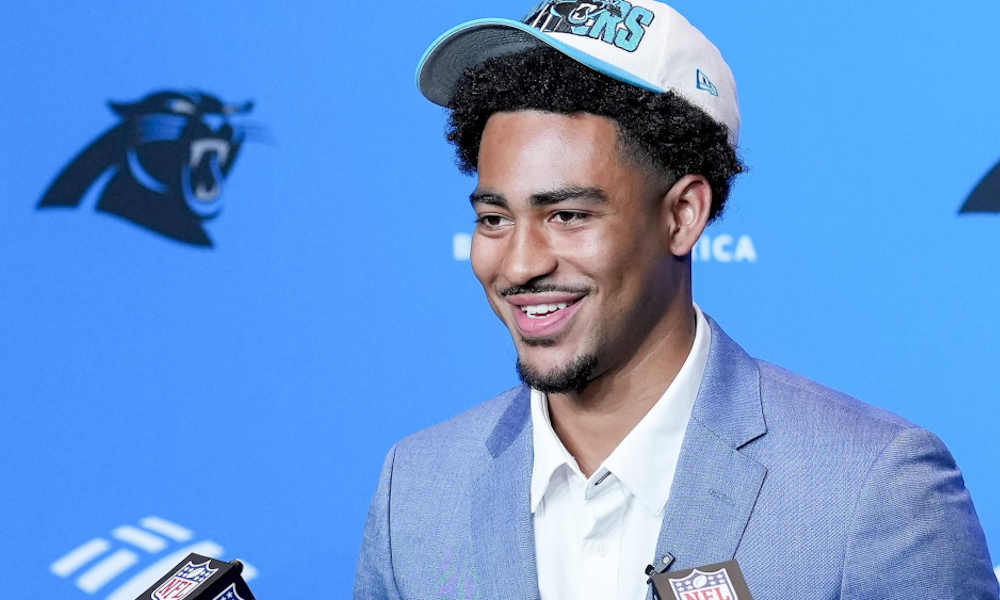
{"x":537,"y":288}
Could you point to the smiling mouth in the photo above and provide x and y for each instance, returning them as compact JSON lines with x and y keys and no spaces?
{"x":536,"y":321}
{"x":541,"y":311}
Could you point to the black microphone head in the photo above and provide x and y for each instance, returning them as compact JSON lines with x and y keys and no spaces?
{"x":201,"y":578}
{"x":238,"y":565}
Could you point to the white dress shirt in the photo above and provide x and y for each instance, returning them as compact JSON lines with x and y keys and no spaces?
{"x":594,"y":537}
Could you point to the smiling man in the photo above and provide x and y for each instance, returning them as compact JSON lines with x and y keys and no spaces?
{"x":603,"y":135}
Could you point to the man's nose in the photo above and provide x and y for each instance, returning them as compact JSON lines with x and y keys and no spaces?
{"x":529,"y":254}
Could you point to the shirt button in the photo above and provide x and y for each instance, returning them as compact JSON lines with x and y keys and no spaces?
{"x":601,"y":547}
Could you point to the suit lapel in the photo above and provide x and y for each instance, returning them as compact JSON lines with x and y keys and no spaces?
{"x":503,"y":534}
{"x":715,"y":486}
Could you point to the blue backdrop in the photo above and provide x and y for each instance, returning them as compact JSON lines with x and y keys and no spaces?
{"x":159,"y":396}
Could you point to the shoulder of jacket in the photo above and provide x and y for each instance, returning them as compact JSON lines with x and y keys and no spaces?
{"x":473,"y":426}
{"x":781,"y":388}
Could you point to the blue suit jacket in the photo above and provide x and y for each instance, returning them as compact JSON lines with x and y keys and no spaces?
{"x":815,"y":494}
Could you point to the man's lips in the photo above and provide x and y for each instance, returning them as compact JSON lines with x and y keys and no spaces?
{"x":543,"y":314}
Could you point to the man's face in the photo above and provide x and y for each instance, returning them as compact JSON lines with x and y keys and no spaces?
{"x":570,"y":245}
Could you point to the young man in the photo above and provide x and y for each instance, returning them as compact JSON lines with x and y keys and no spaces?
{"x":603,"y":135}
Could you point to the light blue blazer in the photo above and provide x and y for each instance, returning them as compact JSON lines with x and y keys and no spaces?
{"x":815,"y":494}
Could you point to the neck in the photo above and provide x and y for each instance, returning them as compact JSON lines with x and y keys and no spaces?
{"x":591,"y":423}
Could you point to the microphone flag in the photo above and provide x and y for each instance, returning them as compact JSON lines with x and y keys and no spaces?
{"x":201,"y":578}
{"x":720,"y":581}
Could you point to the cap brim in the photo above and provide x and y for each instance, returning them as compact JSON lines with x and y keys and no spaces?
{"x":471,"y":43}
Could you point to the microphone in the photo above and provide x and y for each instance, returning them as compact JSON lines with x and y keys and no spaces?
{"x":720,"y":581}
{"x":660,"y":567}
{"x":199,"y":577}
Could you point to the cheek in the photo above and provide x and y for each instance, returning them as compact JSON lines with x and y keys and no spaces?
{"x":485,"y":257}
{"x":593,"y":253}
{"x":618,"y":265}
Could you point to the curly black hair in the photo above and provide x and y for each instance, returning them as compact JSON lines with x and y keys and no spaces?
{"x":661,"y":131}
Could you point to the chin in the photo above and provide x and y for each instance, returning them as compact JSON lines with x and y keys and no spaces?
{"x":568,"y":376}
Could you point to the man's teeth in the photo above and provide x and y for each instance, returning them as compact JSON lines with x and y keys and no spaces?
{"x":541,"y":310}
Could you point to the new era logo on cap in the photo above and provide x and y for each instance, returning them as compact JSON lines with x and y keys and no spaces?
{"x":644,"y":43}
{"x":704,"y":83}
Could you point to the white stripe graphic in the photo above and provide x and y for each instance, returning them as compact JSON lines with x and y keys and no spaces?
{"x":142,"y":539}
{"x":131,"y":589}
{"x":164,"y":527}
{"x":461,"y":246}
{"x":79,"y":557}
{"x":106,"y":570}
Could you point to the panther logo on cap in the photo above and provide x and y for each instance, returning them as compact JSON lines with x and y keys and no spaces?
{"x":162,"y":167}
{"x":615,"y":22}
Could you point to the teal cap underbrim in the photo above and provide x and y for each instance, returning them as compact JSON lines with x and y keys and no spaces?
{"x":471,"y":43}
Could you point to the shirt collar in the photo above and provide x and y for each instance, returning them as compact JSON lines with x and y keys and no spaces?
{"x":550,"y":453}
{"x":645,"y":461}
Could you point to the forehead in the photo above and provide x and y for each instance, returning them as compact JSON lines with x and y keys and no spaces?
{"x":525,"y":151}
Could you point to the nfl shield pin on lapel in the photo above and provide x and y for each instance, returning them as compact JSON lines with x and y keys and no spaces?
{"x":721,"y":581}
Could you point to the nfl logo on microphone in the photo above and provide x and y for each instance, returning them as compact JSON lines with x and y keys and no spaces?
{"x":229,"y":593}
{"x":704,"y":586}
{"x":184,"y":581}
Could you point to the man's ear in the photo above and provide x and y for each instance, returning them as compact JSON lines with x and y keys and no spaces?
{"x":687,"y":207}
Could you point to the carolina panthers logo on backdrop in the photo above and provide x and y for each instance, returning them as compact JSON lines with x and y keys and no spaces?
{"x":162,"y":167}
{"x":986,"y":197}
{"x":615,"y":22}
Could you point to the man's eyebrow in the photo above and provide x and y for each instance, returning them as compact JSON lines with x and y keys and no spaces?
{"x":588,"y":194}
{"x":491,"y":198}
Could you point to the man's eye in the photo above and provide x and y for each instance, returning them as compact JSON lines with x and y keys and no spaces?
{"x":491,"y":221}
{"x":566,"y":217}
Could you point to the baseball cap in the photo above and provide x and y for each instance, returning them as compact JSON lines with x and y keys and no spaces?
{"x":644,"y":43}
